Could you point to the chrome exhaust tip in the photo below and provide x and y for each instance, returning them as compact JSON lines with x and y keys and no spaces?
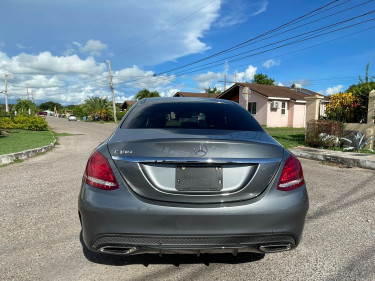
{"x":274,"y":248}
{"x":118,"y":250}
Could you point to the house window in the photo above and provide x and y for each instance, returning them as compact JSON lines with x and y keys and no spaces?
{"x":252,"y":107}
{"x":283,"y":107}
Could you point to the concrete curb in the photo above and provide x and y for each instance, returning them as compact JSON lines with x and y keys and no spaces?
{"x":9,"y":158}
{"x":350,"y":159}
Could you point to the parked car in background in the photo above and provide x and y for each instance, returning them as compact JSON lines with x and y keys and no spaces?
{"x":42,"y":113}
{"x":72,"y":117}
{"x":191,"y":176}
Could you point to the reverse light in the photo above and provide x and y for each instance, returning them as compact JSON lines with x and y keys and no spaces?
{"x":99,"y":173}
{"x":292,"y":175}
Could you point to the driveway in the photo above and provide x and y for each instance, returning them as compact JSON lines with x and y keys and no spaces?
{"x":40,"y":230}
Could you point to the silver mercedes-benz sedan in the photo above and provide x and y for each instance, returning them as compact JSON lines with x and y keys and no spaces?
{"x":183,"y":175}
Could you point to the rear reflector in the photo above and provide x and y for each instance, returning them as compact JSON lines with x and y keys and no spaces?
{"x":99,"y":173}
{"x":292,"y":175}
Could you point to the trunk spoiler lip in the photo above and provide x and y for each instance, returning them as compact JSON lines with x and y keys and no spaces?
{"x":192,"y":160}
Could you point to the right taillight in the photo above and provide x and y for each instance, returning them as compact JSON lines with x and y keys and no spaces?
{"x":99,"y":173}
{"x":292,"y":175}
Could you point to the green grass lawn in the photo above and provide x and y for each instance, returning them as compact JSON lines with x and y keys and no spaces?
{"x":288,"y":137}
{"x":19,"y":140}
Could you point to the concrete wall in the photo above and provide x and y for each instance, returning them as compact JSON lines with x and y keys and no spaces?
{"x":274,"y":116}
{"x":291,"y":113}
{"x":261,"y":115}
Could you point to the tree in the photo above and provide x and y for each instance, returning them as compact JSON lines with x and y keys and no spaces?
{"x":263,"y":79}
{"x":210,"y":91}
{"x":361,"y":91}
{"x":142,"y":94}
{"x":98,"y":107}
{"x":50,"y":105}
{"x":77,"y":109}
{"x":23,"y":106}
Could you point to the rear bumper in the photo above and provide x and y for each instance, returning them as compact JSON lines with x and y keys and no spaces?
{"x":130,"y":245}
{"x":118,"y":222}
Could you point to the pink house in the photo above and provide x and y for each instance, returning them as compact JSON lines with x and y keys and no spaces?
{"x":272,"y":106}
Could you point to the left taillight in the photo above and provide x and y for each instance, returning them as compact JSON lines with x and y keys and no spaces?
{"x":99,"y":173}
{"x":292,"y":175}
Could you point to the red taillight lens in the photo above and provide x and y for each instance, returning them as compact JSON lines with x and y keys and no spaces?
{"x":99,"y":173}
{"x":292,"y":175}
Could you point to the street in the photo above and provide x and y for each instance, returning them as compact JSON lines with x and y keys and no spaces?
{"x":40,"y":229}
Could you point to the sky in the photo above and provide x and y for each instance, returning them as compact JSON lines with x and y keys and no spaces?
{"x":57,"y":50}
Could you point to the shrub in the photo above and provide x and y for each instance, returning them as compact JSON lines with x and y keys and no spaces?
{"x":318,"y":130}
{"x":120,"y":114}
{"x":5,"y":114}
{"x":343,"y":107}
{"x":34,"y":123}
{"x":7,"y":123}
{"x":356,"y":141}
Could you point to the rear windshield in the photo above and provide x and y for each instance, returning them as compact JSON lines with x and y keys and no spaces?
{"x":191,"y":115}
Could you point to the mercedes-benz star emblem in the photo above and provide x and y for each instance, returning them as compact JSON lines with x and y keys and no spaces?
{"x":200,"y":150}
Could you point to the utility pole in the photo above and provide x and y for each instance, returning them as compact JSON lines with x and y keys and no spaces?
{"x":225,"y":81}
{"x":32,"y":96}
{"x":6,"y":93}
{"x":111,"y":86}
{"x":27,"y":91}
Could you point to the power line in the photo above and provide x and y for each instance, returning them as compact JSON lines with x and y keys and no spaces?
{"x":299,"y":50}
{"x":252,"y":39}
{"x":299,"y":35}
{"x":271,"y":49}
{"x":286,"y":31}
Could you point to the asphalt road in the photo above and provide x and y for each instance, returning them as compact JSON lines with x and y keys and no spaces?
{"x":40,"y":230}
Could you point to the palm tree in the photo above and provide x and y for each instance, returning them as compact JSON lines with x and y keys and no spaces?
{"x":98,"y":107}
{"x":142,"y":94}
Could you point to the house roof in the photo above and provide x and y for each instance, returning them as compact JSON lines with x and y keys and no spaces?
{"x":127,"y":103}
{"x":267,"y":91}
{"x":194,"y":95}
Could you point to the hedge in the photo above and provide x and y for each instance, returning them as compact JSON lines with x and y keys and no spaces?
{"x":33,"y":123}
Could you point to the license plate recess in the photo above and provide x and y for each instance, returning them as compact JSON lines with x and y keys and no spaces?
{"x":193,"y":178}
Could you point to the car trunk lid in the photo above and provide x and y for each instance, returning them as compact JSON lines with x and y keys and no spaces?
{"x":215,"y":167}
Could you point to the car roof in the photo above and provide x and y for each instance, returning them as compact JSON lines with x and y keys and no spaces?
{"x":183,"y":100}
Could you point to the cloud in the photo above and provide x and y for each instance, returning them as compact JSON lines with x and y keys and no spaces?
{"x":333,"y":90}
{"x":45,"y":63}
{"x":247,"y":75}
{"x":239,"y":11}
{"x":261,"y":8}
{"x":280,"y":84}
{"x":270,"y":63}
{"x":93,"y":47}
{"x":169,"y":93}
{"x":20,"y":46}
{"x":71,"y":80}
{"x":250,"y":72}
{"x":142,"y":32}
{"x":207,"y":80}
{"x":162,"y":38}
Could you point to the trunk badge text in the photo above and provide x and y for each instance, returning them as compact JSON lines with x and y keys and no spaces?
{"x":200,"y":150}
{"x":123,"y":152}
